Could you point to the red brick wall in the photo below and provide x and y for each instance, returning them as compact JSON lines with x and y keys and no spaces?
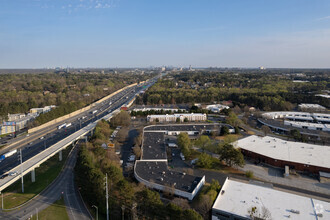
{"x":282,"y":164}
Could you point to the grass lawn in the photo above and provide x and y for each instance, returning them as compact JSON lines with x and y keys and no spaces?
{"x":55,"y":211}
{"x":45,"y":174}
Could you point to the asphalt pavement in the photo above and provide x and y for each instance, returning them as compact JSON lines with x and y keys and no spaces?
{"x":62,"y":186}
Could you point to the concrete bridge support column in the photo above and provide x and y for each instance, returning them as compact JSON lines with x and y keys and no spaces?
{"x":33,"y":175}
{"x":60,"y":155}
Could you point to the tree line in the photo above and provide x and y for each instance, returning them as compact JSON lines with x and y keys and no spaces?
{"x":21,"y":92}
{"x":94,"y":162}
{"x":263,"y":91}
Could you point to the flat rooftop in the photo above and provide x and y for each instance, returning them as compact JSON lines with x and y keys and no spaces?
{"x":303,"y":153}
{"x":157,"y":172}
{"x":153,"y":146}
{"x":180,"y":127}
{"x":237,"y":198}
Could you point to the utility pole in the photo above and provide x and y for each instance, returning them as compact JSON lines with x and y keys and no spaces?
{"x":107,"y":194}
{"x":20,"y":152}
{"x":37,"y":213}
{"x":2,"y":200}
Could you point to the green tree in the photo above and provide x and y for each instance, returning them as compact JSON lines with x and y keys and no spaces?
{"x":203,"y":142}
{"x":224,"y":130}
{"x":191,"y":215}
{"x":149,"y":202}
{"x":295,"y":133}
{"x":121,"y":119}
{"x":204,"y":161}
{"x":184,"y":143}
{"x":231,"y":155}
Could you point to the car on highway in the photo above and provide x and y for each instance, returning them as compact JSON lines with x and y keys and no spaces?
{"x":13,"y":173}
{"x":42,"y":138}
{"x":3,"y":176}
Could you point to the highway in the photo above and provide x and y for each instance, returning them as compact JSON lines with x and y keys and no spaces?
{"x":30,"y":149}
{"x":64,"y":186}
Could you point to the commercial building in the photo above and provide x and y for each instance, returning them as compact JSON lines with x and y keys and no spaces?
{"x":158,"y":109}
{"x":42,"y":110}
{"x":236,"y":200}
{"x":307,"y":125}
{"x":304,"y":120}
{"x":174,"y":117}
{"x":216,"y":108}
{"x":277,"y":152}
{"x":311,"y":107}
{"x":152,"y":169}
{"x":298,"y":116}
{"x":15,"y":123}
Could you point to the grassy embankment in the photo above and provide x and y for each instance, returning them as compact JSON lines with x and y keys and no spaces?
{"x":54,"y":212}
{"x":45,"y":174}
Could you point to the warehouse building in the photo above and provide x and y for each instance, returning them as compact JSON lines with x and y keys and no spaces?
{"x":236,"y":200}
{"x":174,"y":117}
{"x":277,"y":152}
{"x":152,"y":169}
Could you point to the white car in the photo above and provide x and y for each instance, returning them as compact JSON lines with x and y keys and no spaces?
{"x":42,"y":138}
{"x":13,"y":173}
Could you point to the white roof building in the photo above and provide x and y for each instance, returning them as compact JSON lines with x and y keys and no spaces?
{"x":216,"y":108}
{"x":311,"y":106}
{"x":174,"y":117}
{"x":237,"y":198}
{"x":296,"y":152}
{"x":301,"y":116}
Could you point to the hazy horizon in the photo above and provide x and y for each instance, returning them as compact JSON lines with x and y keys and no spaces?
{"x":129,"y":34}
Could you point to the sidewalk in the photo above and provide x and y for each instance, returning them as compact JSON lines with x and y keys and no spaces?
{"x":275,"y":175}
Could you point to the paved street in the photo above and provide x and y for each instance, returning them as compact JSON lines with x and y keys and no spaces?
{"x":63,"y":185}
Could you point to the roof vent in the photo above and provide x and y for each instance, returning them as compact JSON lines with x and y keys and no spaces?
{"x":222,"y":192}
{"x":295,"y":211}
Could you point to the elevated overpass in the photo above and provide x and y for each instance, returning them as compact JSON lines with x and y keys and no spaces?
{"x":65,"y":138}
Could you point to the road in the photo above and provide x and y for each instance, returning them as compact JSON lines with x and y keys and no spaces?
{"x":62,"y":186}
{"x":30,"y":149}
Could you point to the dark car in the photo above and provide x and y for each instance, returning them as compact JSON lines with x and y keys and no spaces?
{"x":4,"y":176}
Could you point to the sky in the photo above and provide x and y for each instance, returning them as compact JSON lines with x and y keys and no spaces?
{"x":144,"y":33}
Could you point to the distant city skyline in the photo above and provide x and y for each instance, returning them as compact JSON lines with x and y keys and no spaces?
{"x":127,"y":33}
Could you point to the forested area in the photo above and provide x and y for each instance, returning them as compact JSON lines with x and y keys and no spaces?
{"x":69,"y":92}
{"x":94,"y":162}
{"x":266,"y":91}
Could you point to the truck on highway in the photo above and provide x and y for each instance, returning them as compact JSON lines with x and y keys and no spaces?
{"x":8,"y":154}
{"x":94,"y":112}
{"x":68,"y":125}
{"x":62,"y":126}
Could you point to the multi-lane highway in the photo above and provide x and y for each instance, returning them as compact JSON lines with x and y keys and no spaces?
{"x":47,"y":137}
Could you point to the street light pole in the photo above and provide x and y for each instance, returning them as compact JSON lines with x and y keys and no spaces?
{"x":20,"y":152}
{"x":37,"y":213}
{"x":106,"y":194}
{"x":97,"y":211}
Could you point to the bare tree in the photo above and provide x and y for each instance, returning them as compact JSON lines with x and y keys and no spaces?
{"x":258,"y":214}
{"x":266,"y":130}
{"x":183,"y":203}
